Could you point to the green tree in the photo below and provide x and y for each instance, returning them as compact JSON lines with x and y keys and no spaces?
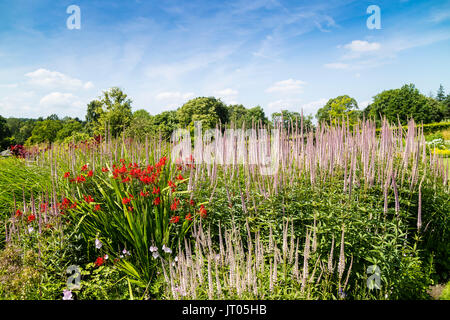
{"x":440,"y":96}
{"x":446,"y":107}
{"x":403,"y":104}
{"x":290,"y":118}
{"x":141,"y":125}
{"x":239,"y":115}
{"x":338,"y":109}
{"x":94,"y":109}
{"x":4,"y":134}
{"x":45,"y":131}
{"x":69,"y":127}
{"x":115,"y":112}
{"x":210,"y":111}
{"x":165,"y":123}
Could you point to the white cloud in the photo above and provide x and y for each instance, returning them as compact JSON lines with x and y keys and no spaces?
{"x":173,"y":99}
{"x":9,"y":85}
{"x":364,"y":104}
{"x":313,"y":106}
{"x":287,"y":86}
{"x":174,"y":95}
{"x":336,"y":65}
{"x":284,"y":104}
{"x":60,"y":100}
{"x":227,"y":92}
{"x":46,"y":78}
{"x":228,"y":95}
{"x":362,"y":46}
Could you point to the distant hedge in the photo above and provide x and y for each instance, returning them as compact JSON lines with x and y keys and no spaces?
{"x":430,"y":127}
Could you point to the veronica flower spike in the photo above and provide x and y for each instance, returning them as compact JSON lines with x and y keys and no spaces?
{"x":166,"y":249}
{"x":98,"y":244}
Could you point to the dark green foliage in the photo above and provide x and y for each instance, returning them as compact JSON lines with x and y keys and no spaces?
{"x":209,"y":110}
{"x":403,"y":104}
{"x":338,"y":109}
{"x":4,"y":134}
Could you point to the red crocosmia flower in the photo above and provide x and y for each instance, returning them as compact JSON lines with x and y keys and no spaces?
{"x":171,"y":184}
{"x":31,"y":217}
{"x":189,"y":217}
{"x":88,"y":199}
{"x":43,"y":206}
{"x":105,"y":169}
{"x":97,"y":207}
{"x":123,"y":169}
{"x":18,"y":213}
{"x":127,"y":179}
{"x":126,"y":200}
{"x":84,"y":168}
{"x":122,"y":160}
{"x":191,"y":202}
{"x":67,"y":174}
{"x":130,"y":208}
{"x":73,"y":205}
{"x":81,"y":179}
{"x":155,"y":190}
{"x":180,"y":177}
{"x":99,"y":261}
{"x":144,"y":194}
{"x":202,"y":211}
{"x":157,"y":201}
{"x":175,"y":204}
{"x":90,"y":173}
{"x":174,"y":219}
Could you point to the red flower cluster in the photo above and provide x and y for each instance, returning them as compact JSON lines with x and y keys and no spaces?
{"x":18,"y":151}
{"x":31,"y":218}
{"x":88,"y":199}
{"x":202,"y":211}
{"x":127,"y":200}
{"x":175,"y":204}
{"x":174,"y":219}
{"x":147,"y":175}
{"x":99,"y":261}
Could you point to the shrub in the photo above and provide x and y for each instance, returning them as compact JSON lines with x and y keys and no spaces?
{"x":132,"y":208}
{"x":446,"y":292}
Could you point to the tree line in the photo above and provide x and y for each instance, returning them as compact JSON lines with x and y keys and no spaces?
{"x":112,"y":111}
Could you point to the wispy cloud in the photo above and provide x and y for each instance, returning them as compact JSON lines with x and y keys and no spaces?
{"x":287,"y":86}
{"x":52,"y":79}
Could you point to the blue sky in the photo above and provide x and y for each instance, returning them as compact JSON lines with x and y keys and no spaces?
{"x":277,"y":54}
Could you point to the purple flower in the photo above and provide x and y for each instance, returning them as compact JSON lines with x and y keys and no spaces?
{"x":67,"y":295}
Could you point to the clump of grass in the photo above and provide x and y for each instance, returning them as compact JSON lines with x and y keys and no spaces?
{"x":252,"y":268}
{"x":18,"y":273}
{"x":19,"y":177}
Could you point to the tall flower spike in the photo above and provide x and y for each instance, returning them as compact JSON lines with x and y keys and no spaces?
{"x":341,"y":264}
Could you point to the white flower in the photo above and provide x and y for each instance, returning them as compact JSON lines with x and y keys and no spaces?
{"x":155,"y":254}
{"x":106,"y":257}
{"x":153,"y":249}
{"x":166,"y":249}
{"x":67,"y":295}
{"x":98,"y":244}
{"x":30,"y":229}
{"x":176,"y":259}
{"x":125,"y":252}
